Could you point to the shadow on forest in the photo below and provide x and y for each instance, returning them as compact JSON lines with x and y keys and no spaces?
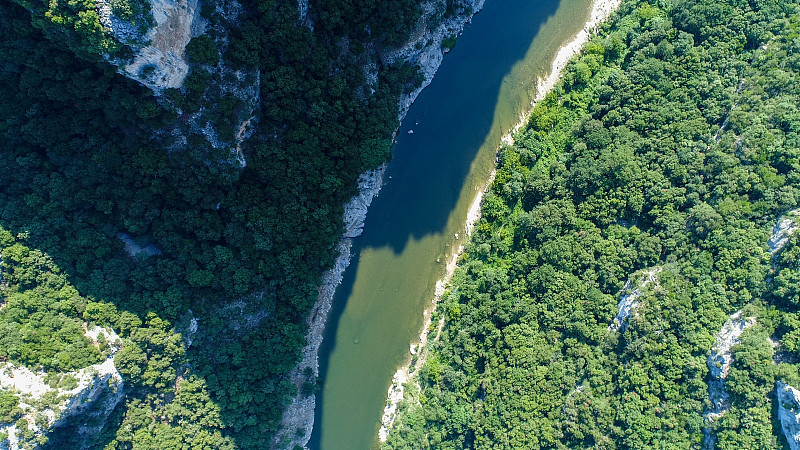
{"x":454,"y":115}
{"x":451,"y":120}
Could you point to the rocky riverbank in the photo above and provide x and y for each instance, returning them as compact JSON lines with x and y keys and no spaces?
{"x":424,"y":49}
{"x":601,"y":10}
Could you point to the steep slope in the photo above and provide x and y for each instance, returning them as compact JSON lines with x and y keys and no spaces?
{"x":226,"y":158}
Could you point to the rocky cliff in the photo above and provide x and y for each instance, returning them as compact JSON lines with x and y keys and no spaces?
{"x":159,"y":59}
{"x":49,"y":401}
{"x":789,"y":413}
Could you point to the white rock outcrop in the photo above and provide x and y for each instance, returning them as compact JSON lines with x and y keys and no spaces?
{"x":159,"y":61}
{"x":302,"y":9}
{"x":782,"y":231}
{"x":166,"y":51}
{"x":97,"y":383}
{"x":188,"y":327}
{"x":629,"y":298}
{"x":719,"y":365}
{"x":719,"y":361}
{"x":789,"y":413}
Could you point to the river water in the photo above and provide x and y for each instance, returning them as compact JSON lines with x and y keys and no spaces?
{"x":483,"y":86}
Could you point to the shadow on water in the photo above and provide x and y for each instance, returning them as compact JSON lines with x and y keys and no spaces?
{"x":451,"y":120}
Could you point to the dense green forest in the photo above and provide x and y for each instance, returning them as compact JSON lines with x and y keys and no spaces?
{"x":671,"y":145}
{"x":88,"y":156}
{"x":42,"y":320}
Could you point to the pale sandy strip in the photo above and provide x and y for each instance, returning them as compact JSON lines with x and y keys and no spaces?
{"x":601,"y":9}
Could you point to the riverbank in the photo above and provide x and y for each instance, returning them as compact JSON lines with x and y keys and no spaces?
{"x":600,"y":11}
{"x":425,"y":49}
{"x":405,"y":373}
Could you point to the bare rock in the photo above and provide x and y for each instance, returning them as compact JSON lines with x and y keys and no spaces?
{"x":782,"y":231}
{"x":355,"y":211}
{"x":719,"y":365}
{"x":188,"y":327}
{"x":629,"y":297}
{"x":95,"y":391}
{"x":789,"y":413}
{"x":159,"y":61}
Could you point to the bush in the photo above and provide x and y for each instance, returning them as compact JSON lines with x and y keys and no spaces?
{"x":203,"y":50}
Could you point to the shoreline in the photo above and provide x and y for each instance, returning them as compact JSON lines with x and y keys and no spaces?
{"x":601,"y":10}
{"x":410,"y":368}
{"x":425,"y":49}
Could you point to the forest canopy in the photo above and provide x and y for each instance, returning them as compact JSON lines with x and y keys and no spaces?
{"x":149,"y":223}
{"x":657,"y":169}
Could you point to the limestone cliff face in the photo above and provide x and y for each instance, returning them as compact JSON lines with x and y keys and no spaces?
{"x":159,"y":59}
{"x":789,"y":413}
{"x":91,"y":393}
{"x":425,"y":46}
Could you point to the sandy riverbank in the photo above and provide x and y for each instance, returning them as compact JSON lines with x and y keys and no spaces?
{"x":601,"y":10}
{"x":404,"y":373}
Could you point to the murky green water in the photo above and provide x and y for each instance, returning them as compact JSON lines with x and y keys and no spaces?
{"x":478,"y":94}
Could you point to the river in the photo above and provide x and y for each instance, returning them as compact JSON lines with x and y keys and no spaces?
{"x":444,"y":153}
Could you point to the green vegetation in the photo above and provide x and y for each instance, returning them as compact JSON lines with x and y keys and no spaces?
{"x":671,"y":143}
{"x":449,"y":42}
{"x":76,"y":23}
{"x":128,"y":9}
{"x":787,"y":276}
{"x":40,"y":322}
{"x":203,"y":50}
{"x":9,"y":412}
{"x":87,"y":155}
